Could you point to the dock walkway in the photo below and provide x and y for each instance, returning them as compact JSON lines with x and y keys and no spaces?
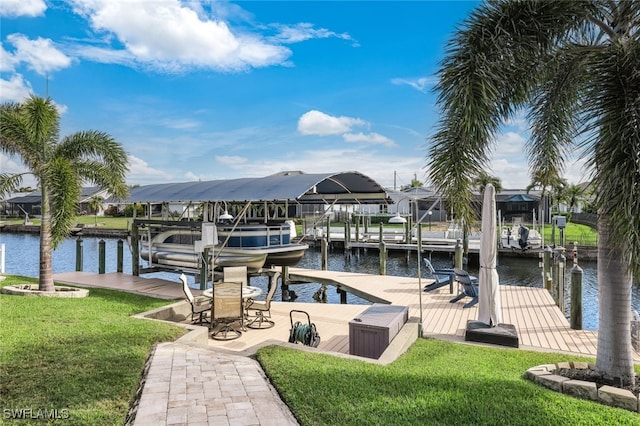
{"x":217,"y":384}
{"x":539,"y":322}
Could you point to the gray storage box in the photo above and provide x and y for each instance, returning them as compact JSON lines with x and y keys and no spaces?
{"x":371,"y":332}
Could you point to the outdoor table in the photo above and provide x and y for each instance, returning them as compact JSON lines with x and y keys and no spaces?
{"x":247,"y":292}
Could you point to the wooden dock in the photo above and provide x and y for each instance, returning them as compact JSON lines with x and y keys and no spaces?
{"x":538,"y":321}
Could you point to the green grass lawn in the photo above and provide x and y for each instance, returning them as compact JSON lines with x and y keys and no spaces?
{"x":87,"y":355}
{"x":583,"y":234}
{"x":435,"y":382}
{"x":81,"y":355}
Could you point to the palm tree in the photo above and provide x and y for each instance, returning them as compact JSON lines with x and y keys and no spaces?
{"x":415,"y":183}
{"x":574,"y":67}
{"x":548,"y":182}
{"x":484,"y":178}
{"x":30,"y":130}
{"x":574,"y":195}
{"x":559,"y":193}
{"x":95,"y":203}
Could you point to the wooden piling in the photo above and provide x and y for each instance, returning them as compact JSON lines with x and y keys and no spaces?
{"x":324,"y":244}
{"x":576,"y":298}
{"x":383,"y":257}
{"x":101,"y":256}
{"x":79,"y":255}
{"x":458,"y":254}
{"x":546,"y":269}
{"x":119,"y":261}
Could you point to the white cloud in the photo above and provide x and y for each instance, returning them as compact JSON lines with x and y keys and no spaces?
{"x":304,"y":31}
{"x":230,"y":160}
{"x":141,"y":173}
{"x":576,"y":171}
{"x":509,"y":143}
{"x":181,"y":123}
{"x":7,"y":60}
{"x":422,"y":84}
{"x":16,"y":89}
{"x":318,"y":123}
{"x":14,"y":165}
{"x":369,"y":138}
{"x":103,"y":55}
{"x":167,"y":35}
{"x":10,"y":166}
{"x":190,"y":176}
{"x":15,"y":8}
{"x":519,"y":121}
{"x":513,"y":174}
{"x":333,"y":160}
{"x":39,"y":54}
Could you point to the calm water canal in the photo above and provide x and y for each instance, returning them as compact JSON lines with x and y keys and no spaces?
{"x":21,"y":258}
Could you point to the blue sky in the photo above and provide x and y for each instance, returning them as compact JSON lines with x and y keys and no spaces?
{"x":218,"y":90}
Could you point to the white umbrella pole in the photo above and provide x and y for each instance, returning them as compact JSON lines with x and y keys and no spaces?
{"x":419,"y":234}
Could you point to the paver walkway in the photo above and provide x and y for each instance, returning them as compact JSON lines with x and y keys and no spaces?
{"x":192,"y":385}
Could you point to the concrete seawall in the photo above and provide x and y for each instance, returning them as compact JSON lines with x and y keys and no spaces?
{"x":86,"y":231}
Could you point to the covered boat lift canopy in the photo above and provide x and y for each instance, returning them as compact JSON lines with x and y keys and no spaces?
{"x":298,"y":187}
{"x":265,"y":194}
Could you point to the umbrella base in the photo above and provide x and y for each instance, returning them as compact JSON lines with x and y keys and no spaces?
{"x":502,"y":334}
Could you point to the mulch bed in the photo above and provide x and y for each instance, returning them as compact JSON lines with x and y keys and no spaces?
{"x":590,"y":375}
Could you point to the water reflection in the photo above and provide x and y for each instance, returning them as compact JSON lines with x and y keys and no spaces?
{"x":22,"y":259}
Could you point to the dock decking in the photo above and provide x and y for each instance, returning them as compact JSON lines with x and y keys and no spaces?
{"x":538,"y":321}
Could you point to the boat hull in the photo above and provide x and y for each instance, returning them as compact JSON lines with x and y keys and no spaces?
{"x":272,"y":239}
{"x":512,"y":238}
{"x":181,"y":253}
{"x":253,"y":246}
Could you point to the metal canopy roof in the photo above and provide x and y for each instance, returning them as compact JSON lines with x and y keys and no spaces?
{"x":341,"y":188}
{"x":519,"y":198}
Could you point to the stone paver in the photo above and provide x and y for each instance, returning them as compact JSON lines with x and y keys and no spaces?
{"x":191,"y":385}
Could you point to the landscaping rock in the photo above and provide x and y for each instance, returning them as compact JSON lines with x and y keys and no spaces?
{"x":618,"y":398}
{"x":581,"y":389}
{"x":551,"y":381}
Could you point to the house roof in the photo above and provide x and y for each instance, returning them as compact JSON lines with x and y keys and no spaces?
{"x":341,"y":188}
{"x":35,"y":196}
{"x":519,"y":198}
{"x":25,"y":199}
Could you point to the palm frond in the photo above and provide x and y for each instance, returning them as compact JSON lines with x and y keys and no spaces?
{"x":615,"y":113}
{"x":556,"y":111}
{"x":64,"y":186}
{"x":100,"y":159}
{"x":9,"y":183}
{"x":491,"y":67}
{"x":29,"y":130}
{"x":42,"y":123}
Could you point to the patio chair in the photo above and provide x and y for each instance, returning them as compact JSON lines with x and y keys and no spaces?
{"x":227,"y":313}
{"x":441,"y":277}
{"x":469,"y":287}
{"x":261,"y":317}
{"x":200,"y":306}
{"x":235,"y":274}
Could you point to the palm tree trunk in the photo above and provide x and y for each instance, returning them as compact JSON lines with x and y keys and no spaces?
{"x":615,"y":354}
{"x":46,"y":272}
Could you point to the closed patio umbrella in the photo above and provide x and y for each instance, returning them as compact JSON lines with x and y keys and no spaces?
{"x":489,"y":308}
